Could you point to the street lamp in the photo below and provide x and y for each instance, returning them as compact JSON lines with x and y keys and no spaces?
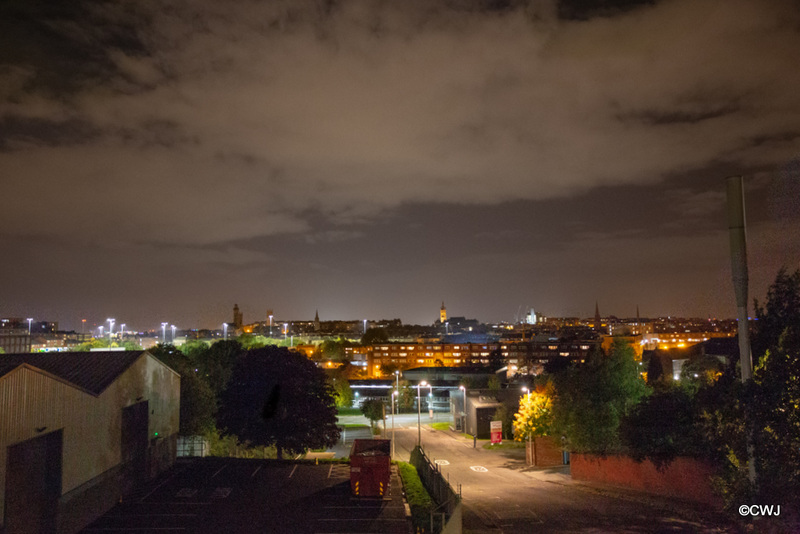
{"x":430,"y":401}
{"x":101,"y":331}
{"x":225,"y":330}
{"x":419,"y":413}
{"x":173,"y":333}
{"x":464,"y":410}
{"x":394,"y":394}
{"x":365,"y":326}
{"x":164,"y":332}
{"x":270,"y":325}
{"x":121,"y":330}
{"x":110,"y":328}
{"x":30,"y":320}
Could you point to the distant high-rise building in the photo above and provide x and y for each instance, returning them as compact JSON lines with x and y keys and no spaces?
{"x":237,"y":317}
{"x":443,"y":314}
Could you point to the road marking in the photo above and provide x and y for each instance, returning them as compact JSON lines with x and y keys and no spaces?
{"x":221,"y":493}
{"x":478,"y":468}
{"x":256,"y":471}
{"x":220,"y":470}
{"x":329,"y":470}
{"x":293,"y":470}
{"x":156,"y":488}
{"x":115,"y":529}
{"x":441,"y":462}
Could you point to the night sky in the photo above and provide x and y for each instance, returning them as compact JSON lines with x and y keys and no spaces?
{"x":161,"y":161}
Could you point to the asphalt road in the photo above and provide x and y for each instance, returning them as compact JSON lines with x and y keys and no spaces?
{"x":501,"y":494}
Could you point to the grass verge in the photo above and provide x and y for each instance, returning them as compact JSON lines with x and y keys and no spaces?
{"x":440,"y":426}
{"x":506,"y":445}
{"x":418,"y":499}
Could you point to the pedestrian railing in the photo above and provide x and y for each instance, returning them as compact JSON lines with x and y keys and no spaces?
{"x":446,"y":516}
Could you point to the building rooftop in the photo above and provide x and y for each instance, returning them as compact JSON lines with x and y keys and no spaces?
{"x":90,"y":371}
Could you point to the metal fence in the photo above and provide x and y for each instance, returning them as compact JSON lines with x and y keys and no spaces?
{"x":446,"y":516}
{"x":192,"y":446}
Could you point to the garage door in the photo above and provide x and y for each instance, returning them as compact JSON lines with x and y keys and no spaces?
{"x":33,"y":484}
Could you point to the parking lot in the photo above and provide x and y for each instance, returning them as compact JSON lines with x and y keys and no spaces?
{"x":221,"y":495}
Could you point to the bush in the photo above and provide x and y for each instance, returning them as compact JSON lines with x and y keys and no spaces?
{"x":661,"y":427}
{"x":418,"y":499}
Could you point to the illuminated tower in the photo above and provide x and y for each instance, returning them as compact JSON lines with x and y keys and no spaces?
{"x":443,"y":314}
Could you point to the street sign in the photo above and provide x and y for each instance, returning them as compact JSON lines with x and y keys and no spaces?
{"x":496,"y":428}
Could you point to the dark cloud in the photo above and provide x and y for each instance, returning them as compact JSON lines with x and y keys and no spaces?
{"x":410,"y":138}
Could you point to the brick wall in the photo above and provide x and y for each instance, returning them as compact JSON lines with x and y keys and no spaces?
{"x":684,"y":478}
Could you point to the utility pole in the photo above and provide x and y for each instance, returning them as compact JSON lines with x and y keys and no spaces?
{"x":738,"y":237}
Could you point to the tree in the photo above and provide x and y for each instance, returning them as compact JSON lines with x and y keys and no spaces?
{"x":535,"y":415}
{"x":279,"y":397}
{"x":374,"y":336}
{"x":333,"y":349}
{"x":250,"y":341}
{"x":662,"y":426}
{"x":493,"y":384}
{"x":778,"y":321}
{"x":342,"y":392}
{"x":216,"y":364}
{"x":198,"y":401}
{"x":372,"y":410}
{"x":590,"y":400}
{"x":406,"y":398}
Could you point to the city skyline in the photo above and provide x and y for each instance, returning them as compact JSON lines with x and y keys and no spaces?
{"x":372,"y":159}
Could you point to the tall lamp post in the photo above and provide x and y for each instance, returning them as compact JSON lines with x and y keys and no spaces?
{"x":173,"y":332}
{"x":110,"y":329}
{"x":225,"y":331}
{"x":121,"y":331}
{"x":419,"y":413}
{"x":163,"y":332}
{"x":394,"y":394}
{"x":30,"y":320}
{"x":464,"y":410}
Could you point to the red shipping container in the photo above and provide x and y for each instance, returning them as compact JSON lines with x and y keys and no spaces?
{"x":370,"y":467}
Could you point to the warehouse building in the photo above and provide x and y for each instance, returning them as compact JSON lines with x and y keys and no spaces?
{"x":78,"y":431}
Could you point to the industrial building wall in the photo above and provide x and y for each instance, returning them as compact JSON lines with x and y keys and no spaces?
{"x":30,"y":400}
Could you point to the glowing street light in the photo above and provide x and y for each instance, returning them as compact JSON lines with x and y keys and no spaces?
{"x":121,"y":330}
{"x":101,"y":331}
{"x":394,"y":394}
{"x":365,"y":326}
{"x":173,"y":332}
{"x":270,"y":325}
{"x":225,"y":330}
{"x":30,"y":320}
{"x":110,"y":328}
{"x":464,"y":410}
{"x":419,"y":413}
{"x":164,"y":332}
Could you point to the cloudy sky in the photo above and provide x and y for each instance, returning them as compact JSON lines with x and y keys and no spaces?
{"x":161,"y":161}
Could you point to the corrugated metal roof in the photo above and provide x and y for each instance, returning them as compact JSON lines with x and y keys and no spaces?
{"x":91,"y":371}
